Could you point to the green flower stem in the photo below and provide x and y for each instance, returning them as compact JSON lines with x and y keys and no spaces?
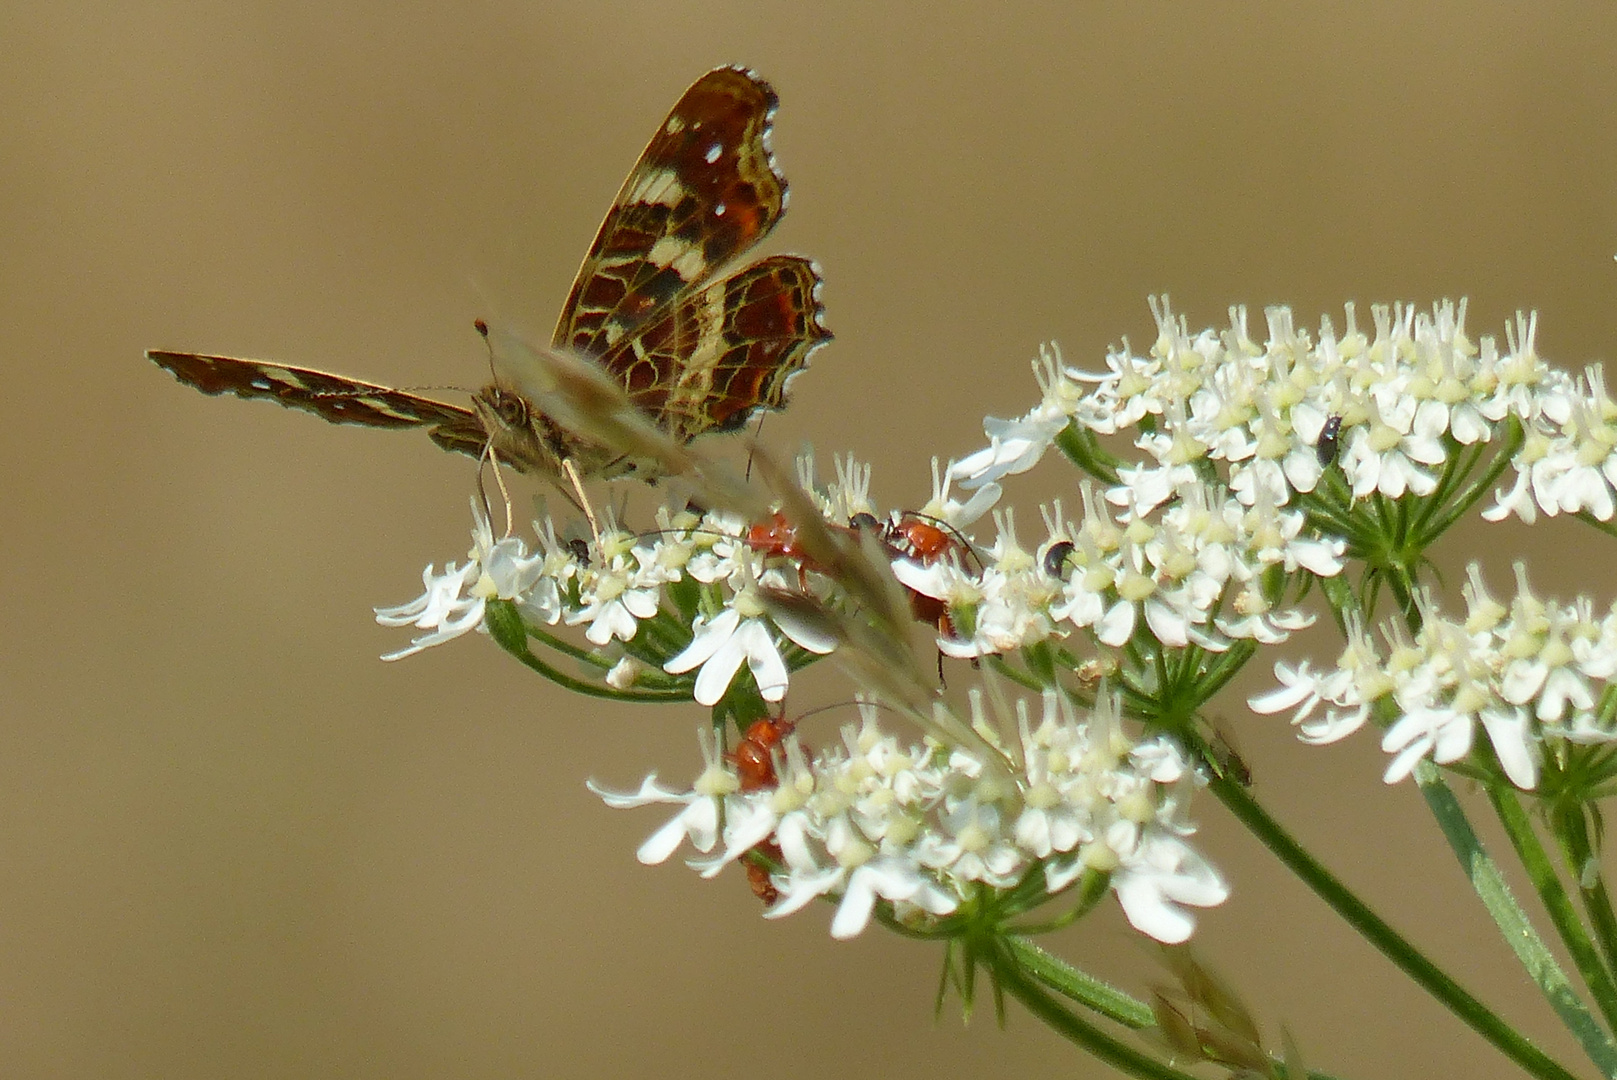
{"x":1572,"y":830}
{"x":666,"y":635}
{"x":1084,"y":450}
{"x":1518,"y":932}
{"x":1405,"y":956}
{"x":566,"y":648}
{"x":1458,"y":462}
{"x":1329,"y":517}
{"x":1008,"y":975}
{"x":652,"y":678}
{"x":1222,"y":669}
{"x":1442,"y":508}
{"x":1018,"y":955}
{"x":1079,"y":986}
{"x":1015,"y":675}
{"x":1439,"y":515}
{"x":505,"y":627}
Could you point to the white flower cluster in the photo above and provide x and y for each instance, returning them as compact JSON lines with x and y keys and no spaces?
{"x":620,"y":582}
{"x":1568,"y":460}
{"x":454,"y":601}
{"x":614,"y":586}
{"x":1533,"y":672}
{"x":927,"y":829}
{"x":1252,"y":459}
{"x":1388,"y":410}
{"x":1191,"y":569}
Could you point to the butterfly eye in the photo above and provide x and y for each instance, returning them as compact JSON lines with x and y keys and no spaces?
{"x":512,"y":409}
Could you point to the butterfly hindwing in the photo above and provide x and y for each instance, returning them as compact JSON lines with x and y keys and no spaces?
{"x":727,"y":350}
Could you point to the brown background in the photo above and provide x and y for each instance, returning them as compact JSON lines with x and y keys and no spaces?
{"x":232,"y":843}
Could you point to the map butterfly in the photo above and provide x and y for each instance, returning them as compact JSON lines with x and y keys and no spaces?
{"x":693,"y":352}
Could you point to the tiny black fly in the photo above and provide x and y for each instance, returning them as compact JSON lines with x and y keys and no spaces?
{"x":1328,"y":443}
{"x":1055,"y":559}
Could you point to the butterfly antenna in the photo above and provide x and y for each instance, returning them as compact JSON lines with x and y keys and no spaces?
{"x":482,"y":331}
{"x":505,"y":495}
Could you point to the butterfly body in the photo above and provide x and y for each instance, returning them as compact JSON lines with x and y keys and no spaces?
{"x":647,"y":318}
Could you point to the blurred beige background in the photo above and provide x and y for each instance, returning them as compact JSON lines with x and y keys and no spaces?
{"x":233,"y":843}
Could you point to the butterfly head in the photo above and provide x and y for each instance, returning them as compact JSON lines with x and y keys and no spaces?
{"x":505,"y":408}
{"x":517,"y":433}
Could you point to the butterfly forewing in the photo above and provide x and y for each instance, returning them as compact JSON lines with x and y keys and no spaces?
{"x":704,"y":190}
{"x":336,"y":398}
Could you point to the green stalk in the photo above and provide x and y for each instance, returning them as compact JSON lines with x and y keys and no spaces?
{"x":505,"y":627}
{"x":1082,"y":449}
{"x":1016,"y":956}
{"x":1572,"y":831}
{"x":1015,"y":675}
{"x":1373,"y":929}
{"x":1009,"y":976}
{"x":1079,"y":986}
{"x":1454,"y":509}
{"x":566,"y":648}
{"x":1512,"y":921}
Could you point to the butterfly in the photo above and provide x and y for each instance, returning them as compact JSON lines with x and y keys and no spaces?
{"x":691,"y":352}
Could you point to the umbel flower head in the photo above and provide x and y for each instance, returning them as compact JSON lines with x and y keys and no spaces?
{"x":940,"y":839}
{"x":1387,"y":411}
{"x":694,"y":580}
{"x":1535,"y":676}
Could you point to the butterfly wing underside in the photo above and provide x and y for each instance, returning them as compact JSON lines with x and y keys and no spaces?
{"x":698,"y":356}
{"x":691,"y":353}
{"x":727,"y":350}
{"x":335,"y":398}
{"x":704,"y":190}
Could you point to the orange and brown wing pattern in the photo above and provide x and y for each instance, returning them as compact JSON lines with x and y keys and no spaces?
{"x":336,"y":398}
{"x":704,"y":190}
{"x":694,"y":354}
{"x":726,"y":351}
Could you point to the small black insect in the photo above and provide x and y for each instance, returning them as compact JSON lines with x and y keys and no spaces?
{"x":1327,"y":446}
{"x":1055,"y":559}
{"x":579,"y":548}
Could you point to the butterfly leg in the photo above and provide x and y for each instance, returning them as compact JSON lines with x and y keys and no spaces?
{"x":571,"y":472}
{"x":499,"y":481}
{"x":505,"y":494}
